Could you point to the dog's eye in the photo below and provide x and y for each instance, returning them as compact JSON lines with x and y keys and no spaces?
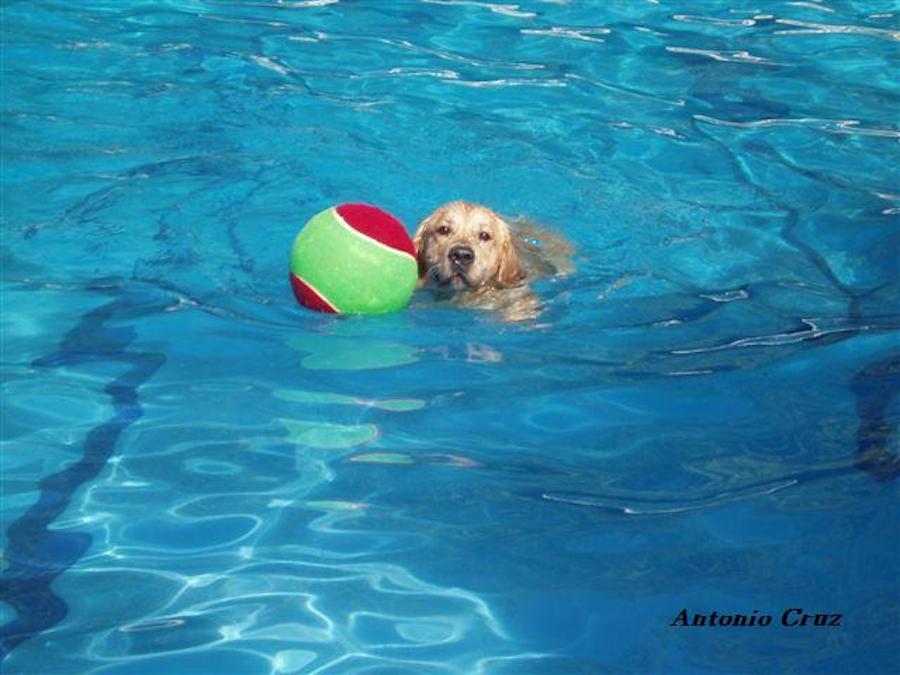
{"x":484,"y":236}
{"x":444,"y":230}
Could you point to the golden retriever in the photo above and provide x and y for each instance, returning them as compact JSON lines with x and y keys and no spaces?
{"x":483,"y":259}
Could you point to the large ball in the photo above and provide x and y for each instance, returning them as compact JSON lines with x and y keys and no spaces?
{"x":353,"y":259}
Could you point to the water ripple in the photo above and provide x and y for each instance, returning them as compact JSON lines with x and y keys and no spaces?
{"x":732,"y":56}
{"x":634,"y":507}
{"x":583,"y":34}
{"x":715,"y":21}
{"x":812,"y":5}
{"x":511,"y":10}
{"x":830,"y":126}
{"x":812,"y":332}
{"x":811,"y":28}
{"x":511,"y":82}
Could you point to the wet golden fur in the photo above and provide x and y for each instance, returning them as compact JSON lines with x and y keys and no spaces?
{"x":505,"y":254}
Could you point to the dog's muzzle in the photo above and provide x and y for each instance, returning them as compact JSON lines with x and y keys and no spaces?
{"x":461,"y":257}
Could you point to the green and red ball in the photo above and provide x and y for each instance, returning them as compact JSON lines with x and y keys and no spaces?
{"x":353,"y":259}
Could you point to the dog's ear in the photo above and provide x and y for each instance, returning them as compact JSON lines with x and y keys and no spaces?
{"x":419,"y":243}
{"x":510,"y":272}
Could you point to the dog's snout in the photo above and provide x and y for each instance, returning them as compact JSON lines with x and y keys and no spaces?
{"x":462,"y":256}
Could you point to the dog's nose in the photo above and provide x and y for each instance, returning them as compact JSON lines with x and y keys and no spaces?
{"x":462,"y":256}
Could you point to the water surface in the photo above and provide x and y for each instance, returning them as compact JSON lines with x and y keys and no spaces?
{"x":201,"y":477}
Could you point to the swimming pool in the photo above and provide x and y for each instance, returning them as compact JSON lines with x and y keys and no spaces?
{"x":201,"y":477}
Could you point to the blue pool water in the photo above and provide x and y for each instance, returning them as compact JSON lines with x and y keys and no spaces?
{"x":201,"y":477}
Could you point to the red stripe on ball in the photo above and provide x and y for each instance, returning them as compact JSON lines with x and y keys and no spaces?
{"x":308,"y":297}
{"x":378,"y":225}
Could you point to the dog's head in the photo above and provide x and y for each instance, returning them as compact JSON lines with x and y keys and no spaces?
{"x":466,"y":246}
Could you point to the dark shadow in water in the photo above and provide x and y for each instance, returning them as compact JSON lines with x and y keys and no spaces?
{"x":875,"y":386}
{"x":35,"y":555}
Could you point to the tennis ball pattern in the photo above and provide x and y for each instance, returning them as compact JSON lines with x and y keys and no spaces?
{"x":353,"y":259}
